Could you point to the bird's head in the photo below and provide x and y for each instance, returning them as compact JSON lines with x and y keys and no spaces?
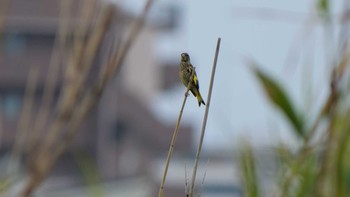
{"x":185,"y":57}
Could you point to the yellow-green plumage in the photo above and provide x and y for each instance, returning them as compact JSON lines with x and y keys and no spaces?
{"x":186,"y":70}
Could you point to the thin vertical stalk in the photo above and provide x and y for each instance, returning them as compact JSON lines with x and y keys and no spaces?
{"x":52,"y":75}
{"x":48,"y":95}
{"x":26,"y":114}
{"x":341,"y":156}
{"x":71,"y":118}
{"x":205,"y":117}
{"x":173,"y":140}
{"x":74,"y":81}
{"x":249,"y":171}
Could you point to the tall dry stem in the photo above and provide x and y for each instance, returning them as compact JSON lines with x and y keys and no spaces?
{"x":173,"y":140}
{"x":76,"y":100}
{"x":195,"y":167}
{"x":26,"y":114}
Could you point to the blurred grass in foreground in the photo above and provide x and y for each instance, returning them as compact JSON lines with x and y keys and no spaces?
{"x":321,"y":165}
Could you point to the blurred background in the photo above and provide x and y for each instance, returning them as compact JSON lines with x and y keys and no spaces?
{"x":123,"y":143}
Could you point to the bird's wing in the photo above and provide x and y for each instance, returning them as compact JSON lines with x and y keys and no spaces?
{"x":195,"y":78}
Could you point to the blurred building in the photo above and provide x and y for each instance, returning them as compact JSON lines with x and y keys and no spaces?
{"x":121,"y":136}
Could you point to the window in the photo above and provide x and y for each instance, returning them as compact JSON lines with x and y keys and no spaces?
{"x":120,"y":131}
{"x":13,"y":44}
{"x":11,"y":104}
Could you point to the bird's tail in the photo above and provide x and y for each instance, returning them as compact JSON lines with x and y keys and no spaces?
{"x":200,"y":99}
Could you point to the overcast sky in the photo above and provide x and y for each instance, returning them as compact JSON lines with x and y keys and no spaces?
{"x":285,"y":37}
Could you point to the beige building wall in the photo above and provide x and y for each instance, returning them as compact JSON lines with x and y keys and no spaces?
{"x":141,"y":76}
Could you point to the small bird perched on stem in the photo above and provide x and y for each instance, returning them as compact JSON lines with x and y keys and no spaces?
{"x":186,"y":70}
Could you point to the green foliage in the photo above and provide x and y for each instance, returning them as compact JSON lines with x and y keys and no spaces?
{"x":5,"y":184}
{"x":251,"y":182}
{"x":342,"y":165}
{"x":280,"y":99}
{"x":90,"y":173}
{"x":320,"y":168}
{"x":307,"y":177}
{"x":323,"y":9}
{"x":323,"y":5}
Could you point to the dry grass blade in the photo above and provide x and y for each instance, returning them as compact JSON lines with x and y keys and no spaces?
{"x":187,"y":191}
{"x":52,"y":75}
{"x":26,"y":114}
{"x":92,"y":95}
{"x":205,"y":117}
{"x":173,"y":140}
{"x":42,"y":158}
{"x":203,"y":179}
{"x":76,"y":74}
{"x":71,"y":113}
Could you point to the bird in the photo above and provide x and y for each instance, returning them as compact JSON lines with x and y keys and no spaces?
{"x":186,"y":72}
